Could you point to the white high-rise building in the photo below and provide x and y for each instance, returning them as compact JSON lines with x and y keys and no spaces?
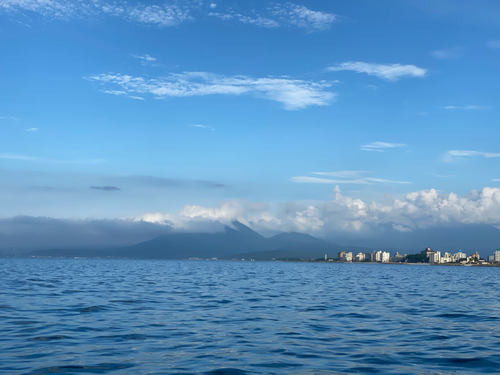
{"x":348,"y":257}
{"x":435,"y":257}
{"x":497,"y":255}
{"x":360,"y":257}
{"x":386,"y":257}
{"x":447,"y":258}
{"x":378,"y":256}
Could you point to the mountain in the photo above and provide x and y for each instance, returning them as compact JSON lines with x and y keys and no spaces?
{"x":234,"y":242}
{"x":241,"y":239}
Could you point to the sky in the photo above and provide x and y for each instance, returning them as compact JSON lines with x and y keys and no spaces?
{"x":321,"y":117}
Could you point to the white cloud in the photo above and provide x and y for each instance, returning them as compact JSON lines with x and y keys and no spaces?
{"x":202,"y":127}
{"x":452,"y":53}
{"x":495,"y":44}
{"x":38,"y":159}
{"x":172,"y":13}
{"x":32,"y":130}
{"x":160,"y":15}
{"x":256,"y":20}
{"x":420,"y":209}
{"x":380,"y":146}
{"x":144,"y":57}
{"x":389,"y":72}
{"x":300,"y":16}
{"x":454,"y":155}
{"x":347,"y":177}
{"x":292,"y":93}
{"x":468,"y":107}
{"x":9,"y":118}
{"x":495,"y":179}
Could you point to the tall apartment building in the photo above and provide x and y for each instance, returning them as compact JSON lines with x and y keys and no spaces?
{"x":435,"y":257}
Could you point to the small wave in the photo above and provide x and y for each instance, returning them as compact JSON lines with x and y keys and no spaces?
{"x":97,"y":369}
{"x":49,"y":338}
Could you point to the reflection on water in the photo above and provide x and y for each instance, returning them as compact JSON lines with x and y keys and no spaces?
{"x":129,"y":317}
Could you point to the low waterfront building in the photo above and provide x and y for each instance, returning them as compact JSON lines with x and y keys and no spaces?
{"x":397,"y":257}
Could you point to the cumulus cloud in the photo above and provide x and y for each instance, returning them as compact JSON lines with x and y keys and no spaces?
{"x":418,"y":210}
{"x":468,"y":107}
{"x":454,"y":155}
{"x":346,"y":177}
{"x":381,"y":146}
{"x":389,"y":72}
{"x":292,"y":93}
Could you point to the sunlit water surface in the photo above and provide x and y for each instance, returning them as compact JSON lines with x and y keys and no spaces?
{"x":133,"y":317}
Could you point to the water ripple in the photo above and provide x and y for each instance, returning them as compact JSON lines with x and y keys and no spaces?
{"x":195,"y":317}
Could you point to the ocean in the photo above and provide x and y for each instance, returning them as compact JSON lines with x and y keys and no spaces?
{"x":79,"y":316}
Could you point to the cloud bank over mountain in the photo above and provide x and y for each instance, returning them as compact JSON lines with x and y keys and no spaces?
{"x":419,"y":210}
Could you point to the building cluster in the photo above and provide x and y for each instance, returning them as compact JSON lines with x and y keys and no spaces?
{"x":431,"y":255}
{"x":437,"y":257}
{"x":460,"y":257}
{"x":495,"y":258}
{"x":376,"y":256}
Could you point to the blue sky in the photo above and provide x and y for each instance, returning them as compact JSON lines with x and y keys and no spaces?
{"x":196,"y":105}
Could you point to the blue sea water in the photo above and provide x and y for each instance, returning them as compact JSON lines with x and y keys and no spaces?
{"x":168,"y":317}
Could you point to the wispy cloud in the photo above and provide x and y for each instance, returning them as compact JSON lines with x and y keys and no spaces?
{"x":32,"y":130}
{"x":381,"y":146}
{"x":389,"y":72}
{"x":292,"y":93}
{"x":44,"y":160}
{"x":173,"y":13}
{"x":468,"y":107}
{"x":164,"y":15}
{"x":494,"y":44}
{"x":105,"y":188}
{"x":300,"y":16}
{"x":495,"y":179}
{"x":202,"y":126}
{"x":451,"y":53}
{"x":454,"y":155}
{"x":9,"y":118}
{"x":256,"y":20}
{"x":344,"y":177}
{"x":147,"y":60}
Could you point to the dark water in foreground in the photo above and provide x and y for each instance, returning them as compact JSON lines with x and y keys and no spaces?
{"x":132,"y":317}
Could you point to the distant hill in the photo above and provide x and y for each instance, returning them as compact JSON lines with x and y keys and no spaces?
{"x":236,"y":242}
